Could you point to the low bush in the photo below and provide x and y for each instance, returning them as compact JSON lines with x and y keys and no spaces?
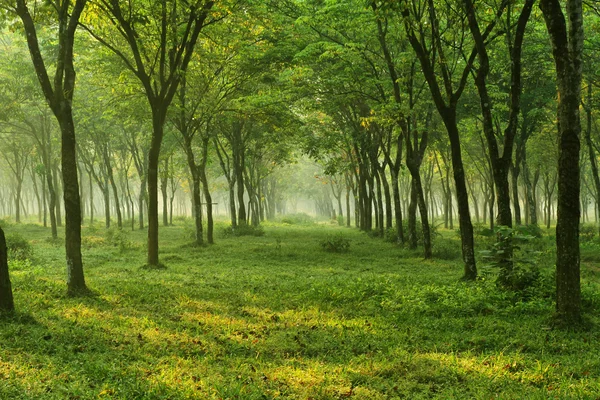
{"x":118,"y":238}
{"x":336,"y":244}
{"x":18,"y":247}
{"x":515,"y":256}
{"x":243,"y":230}
{"x":297,"y":219}
{"x":91,"y":242}
{"x":587,"y":233}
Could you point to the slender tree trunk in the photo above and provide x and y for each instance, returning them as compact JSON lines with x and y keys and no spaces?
{"x":388,"y":199}
{"x":58,"y":208}
{"x":153,"y":161}
{"x":397,"y":207}
{"x":106,"y":194}
{"x":141,"y":203}
{"x":516,"y":170}
{"x":412,"y":216}
{"x":379,"y":201}
{"x":232,"y":208}
{"x":18,"y":190}
{"x":347,"y":207}
{"x":115,"y":195}
{"x":91,"y":186}
{"x":164,"y":181}
{"x":207,"y":195}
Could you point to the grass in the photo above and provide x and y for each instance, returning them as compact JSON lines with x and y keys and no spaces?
{"x":275,"y":316}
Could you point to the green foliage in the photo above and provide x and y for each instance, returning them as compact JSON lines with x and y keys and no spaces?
{"x":242,"y":230}
{"x":18,"y":247}
{"x":335,"y":244}
{"x":297,"y":219}
{"x":390,"y":235}
{"x":447,"y":250}
{"x":91,"y":242}
{"x":118,"y":238}
{"x":515,"y":258}
{"x":587,"y":233}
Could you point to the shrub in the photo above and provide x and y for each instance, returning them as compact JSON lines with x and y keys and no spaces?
{"x":447,"y":250}
{"x":118,"y":238}
{"x":513,"y":256}
{"x":243,"y":230}
{"x":90,"y":242}
{"x":390,"y":235}
{"x":18,"y":247}
{"x":336,"y":244}
{"x":299,"y":218}
{"x":587,"y":233}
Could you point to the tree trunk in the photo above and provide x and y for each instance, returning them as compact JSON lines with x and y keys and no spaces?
{"x":412,"y":216}
{"x":6,"y":297}
{"x":106,"y":194}
{"x":462,"y":198}
{"x":164,"y":181}
{"x":91,"y":185}
{"x":113,"y":184}
{"x":58,"y":208}
{"x":153,"y":161}
{"x":515,"y":192}
{"x":397,"y":207}
{"x":379,"y":201}
{"x":388,"y":199}
{"x":567,"y":47}
{"x":207,"y":195}
{"x":75,"y":277}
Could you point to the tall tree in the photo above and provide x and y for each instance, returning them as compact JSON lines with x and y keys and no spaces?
{"x":437,"y":38}
{"x":500,"y":156}
{"x":159,"y":59}
{"x":566,"y":36}
{"x":59,"y":95}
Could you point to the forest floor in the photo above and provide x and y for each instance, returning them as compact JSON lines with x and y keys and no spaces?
{"x":275,"y":316}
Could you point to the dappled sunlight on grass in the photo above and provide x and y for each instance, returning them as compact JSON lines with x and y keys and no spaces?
{"x":245,"y":320}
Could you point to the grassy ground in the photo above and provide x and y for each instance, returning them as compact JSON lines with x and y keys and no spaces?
{"x":277,"y":317}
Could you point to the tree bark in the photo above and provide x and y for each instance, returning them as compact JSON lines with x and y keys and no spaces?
{"x":6,"y":297}
{"x":158,"y":120}
{"x":567,"y":49}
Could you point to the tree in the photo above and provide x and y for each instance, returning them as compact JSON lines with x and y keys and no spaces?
{"x":437,"y":40}
{"x":59,"y":96}
{"x":500,"y":157}
{"x":566,"y":36}
{"x":158,"y":58}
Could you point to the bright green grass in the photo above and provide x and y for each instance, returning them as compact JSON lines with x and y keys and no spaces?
{"x":277,"y":317}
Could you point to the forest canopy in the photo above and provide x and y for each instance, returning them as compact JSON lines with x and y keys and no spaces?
{"x":394,"y":117}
